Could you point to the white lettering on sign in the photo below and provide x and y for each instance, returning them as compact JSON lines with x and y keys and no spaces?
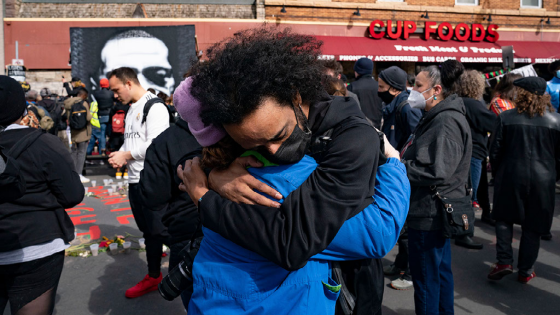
{"x":349,"y":57}
{"x":474,"y":59}
{"x":396,"y":58}
{"x":486,"y":50}
{"x":522,"y":60}
{"x":443,"y":49}
{"x":410,"y":48}
{"x":436,"y":59}
{"x":326,"y":57}
{"x":544,"y":60}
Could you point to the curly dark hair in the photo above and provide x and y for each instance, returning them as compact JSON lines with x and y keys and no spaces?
{"x":532,"y":104}
{"x":253,"y":65}
{"x":221,"y":154}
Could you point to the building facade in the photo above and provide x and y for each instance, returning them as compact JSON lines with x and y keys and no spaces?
{"x":407,"y":33}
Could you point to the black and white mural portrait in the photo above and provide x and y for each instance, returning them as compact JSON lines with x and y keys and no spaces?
{"x":161,"y":55}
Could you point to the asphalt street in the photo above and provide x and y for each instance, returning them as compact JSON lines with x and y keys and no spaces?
{"x":96,"y":285}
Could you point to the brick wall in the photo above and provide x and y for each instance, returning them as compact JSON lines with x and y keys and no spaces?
{"x":368,"y":15}
{"x":51,"y":79}
{"x":17,"y":9}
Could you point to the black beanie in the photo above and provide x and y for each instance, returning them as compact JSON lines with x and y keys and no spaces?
{"x":363,"y":66}
{"x":535,"y":85}
{"x":12,"y":100}
{"x":395,"y":77}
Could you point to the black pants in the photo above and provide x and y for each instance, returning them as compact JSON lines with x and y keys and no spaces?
{"x":482,"y":192}
{"x":365,"y":280}
{"x":30,"y":287}
{"x":528,"y":247}
{"x":149,"y":222}
{"x":401,"y":261}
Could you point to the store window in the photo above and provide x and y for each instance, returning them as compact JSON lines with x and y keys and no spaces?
{"x":466,"y":2}
{"x":531,"y":4}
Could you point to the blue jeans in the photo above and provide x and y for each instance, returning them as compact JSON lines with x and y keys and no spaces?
{"x":98,"y":134}
{"x":476,"y":171}
{"x":430,"y":267}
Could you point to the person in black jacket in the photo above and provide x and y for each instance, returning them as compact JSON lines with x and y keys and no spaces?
{"x":34,"y":229}
{"x":344,"y":144}
{"x":366,"y":87}
{"x":437,"y":158}
{"x":399,"y":119}
{"x":50,"y":105}
{"x":525,"y":157}
{"x":481,"y":121}
{"x":73,"y":89}
{"x":105,"y":101}
{"x":159,"y":185}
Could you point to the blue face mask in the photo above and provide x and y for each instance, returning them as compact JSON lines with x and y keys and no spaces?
{"x":558,"y":74}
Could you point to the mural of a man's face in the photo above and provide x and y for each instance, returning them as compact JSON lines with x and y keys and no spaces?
{"x":147,"y":55}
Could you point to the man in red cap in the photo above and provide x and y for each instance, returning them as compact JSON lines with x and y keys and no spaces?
{"x":105,"y":101}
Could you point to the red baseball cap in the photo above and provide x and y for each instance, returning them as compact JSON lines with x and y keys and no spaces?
{"x":104,"y":83}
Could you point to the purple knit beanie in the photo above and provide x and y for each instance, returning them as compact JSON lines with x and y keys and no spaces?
{"x":189,"y":109}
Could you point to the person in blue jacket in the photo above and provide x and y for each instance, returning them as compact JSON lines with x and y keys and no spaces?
{"x":553,"y":86}
{"x":229,"y":279}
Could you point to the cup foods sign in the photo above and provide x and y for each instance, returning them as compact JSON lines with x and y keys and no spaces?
{"x":445,"y":31}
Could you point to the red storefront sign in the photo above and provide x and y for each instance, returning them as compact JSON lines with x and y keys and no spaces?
{"x":461,"y":32}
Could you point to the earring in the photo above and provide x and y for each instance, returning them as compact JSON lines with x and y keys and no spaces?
{"x":435,"y":98}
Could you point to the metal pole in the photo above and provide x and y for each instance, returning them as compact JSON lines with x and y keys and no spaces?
{"x":2,"y":71}
{"x":17,"y":50}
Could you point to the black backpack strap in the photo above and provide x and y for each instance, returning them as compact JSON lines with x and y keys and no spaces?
{"x":346,"y":300}
{"x":149,"y":105}
{"x":24,"y":143}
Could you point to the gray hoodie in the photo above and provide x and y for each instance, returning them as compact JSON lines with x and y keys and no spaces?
{"x":437,"y":154}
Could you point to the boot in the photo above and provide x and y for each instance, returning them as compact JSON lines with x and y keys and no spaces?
{"x":467,"y":242}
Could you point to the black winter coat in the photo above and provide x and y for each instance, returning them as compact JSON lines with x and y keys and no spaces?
{"x":159,"y":182}
{"x":52,"y":185}
{"x":105,"y":100}
{"x":366,"y":88}
{"x":438,"y":154}
{"x":525,"y":157}
{"x":482,"y":121}
{"x":397,"y":132}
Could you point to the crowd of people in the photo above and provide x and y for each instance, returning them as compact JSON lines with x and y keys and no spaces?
{"x":281,"y":186}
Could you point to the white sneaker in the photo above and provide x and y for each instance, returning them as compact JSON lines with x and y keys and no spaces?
{"x":401,"y":284}
{"x":84,"y":180}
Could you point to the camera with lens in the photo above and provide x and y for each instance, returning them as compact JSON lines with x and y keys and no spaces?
{"x":180,"y":278}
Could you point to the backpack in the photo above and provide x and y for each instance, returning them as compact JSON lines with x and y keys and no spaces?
{"x":149,"y":105}
{"x":78,"y":116}
{"x":12,"y":182}
{"x":118,"y":122}
{"x":31,"y":119}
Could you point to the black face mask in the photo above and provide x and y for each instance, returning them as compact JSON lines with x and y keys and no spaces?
{"x":294,"y":148}
{"x":386,"y":96}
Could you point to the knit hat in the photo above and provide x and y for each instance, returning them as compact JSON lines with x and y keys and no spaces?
{"x":12,"y":100}
{"x":104,"y":83}
{"x":395,"y":77}
{"x":535,"y":85}
{"x":363,"y":66}
{"x":45,"y":92}
{"x":189,"y":108}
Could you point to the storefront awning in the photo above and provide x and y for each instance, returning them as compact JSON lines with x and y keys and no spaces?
{"x":419,"y":50}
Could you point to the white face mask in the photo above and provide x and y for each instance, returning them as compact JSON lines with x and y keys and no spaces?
{"x":417,"y":100}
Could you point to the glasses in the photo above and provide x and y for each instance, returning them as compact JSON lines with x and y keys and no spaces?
{"x":156,"y":75}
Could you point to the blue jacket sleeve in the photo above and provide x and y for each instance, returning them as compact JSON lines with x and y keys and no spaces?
{"x":374,"y":232}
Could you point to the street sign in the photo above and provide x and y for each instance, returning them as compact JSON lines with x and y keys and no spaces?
{"x":16,"y":72}
{"x":17,"y":62}
{"x":507,"y":57}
